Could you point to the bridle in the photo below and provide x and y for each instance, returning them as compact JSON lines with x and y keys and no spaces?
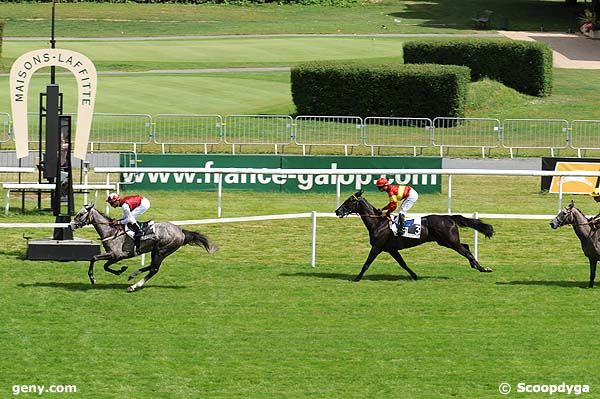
{"x":87,"y":219}
{"x":565,"y":214}
{"x":359,"y":199}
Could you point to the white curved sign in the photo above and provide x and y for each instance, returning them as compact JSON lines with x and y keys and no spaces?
{"x":20,"y":76}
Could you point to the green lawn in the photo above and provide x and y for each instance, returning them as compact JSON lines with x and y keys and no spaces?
{"x":255,"y":320}
{"x":387,"y":16}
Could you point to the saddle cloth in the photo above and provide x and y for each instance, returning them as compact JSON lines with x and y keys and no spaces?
{"x":412,"y":227}
{"x":147,"y":229}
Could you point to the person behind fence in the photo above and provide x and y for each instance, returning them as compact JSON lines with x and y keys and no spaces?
{"x":133,"y":206}
{"x":406,"y":195}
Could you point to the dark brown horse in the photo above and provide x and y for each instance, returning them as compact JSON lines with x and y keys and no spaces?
{"x":434,"y":228}
{"x":587,"y":234}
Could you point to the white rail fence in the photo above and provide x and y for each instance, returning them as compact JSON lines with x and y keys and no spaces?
{"x":219,"y":172}
{"x":312,"y":215}
{"x":171,"y":131}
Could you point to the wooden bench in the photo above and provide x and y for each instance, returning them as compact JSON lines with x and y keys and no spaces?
{"x":483,"y":19}
{"x":49,"y":187}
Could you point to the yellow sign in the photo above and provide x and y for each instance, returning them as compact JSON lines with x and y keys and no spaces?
{"x":20,"y":77}
{"x":575,"y":184}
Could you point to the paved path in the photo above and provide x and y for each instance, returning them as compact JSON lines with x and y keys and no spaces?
{"x":570,"y":50}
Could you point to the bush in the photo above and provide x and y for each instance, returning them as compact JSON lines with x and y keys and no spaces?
{"x":524,"y":66}
{"x":325,"y":88}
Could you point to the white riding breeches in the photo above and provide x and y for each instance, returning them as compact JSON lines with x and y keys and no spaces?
{"x":131,"y":216}
{"x":409,"y":201}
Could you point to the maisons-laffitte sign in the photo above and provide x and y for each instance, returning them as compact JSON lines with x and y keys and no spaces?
{"x":20,"y":76}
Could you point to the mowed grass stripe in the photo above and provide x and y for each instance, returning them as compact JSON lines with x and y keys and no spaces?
{"x":226,"y":52}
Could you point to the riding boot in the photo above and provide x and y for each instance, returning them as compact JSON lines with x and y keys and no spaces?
{"x":137,"y":237}
{"x":400,"y":222}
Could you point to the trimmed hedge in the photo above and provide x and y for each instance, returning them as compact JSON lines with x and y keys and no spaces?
{"x":326,"y":88}
{"x":524,"y":66}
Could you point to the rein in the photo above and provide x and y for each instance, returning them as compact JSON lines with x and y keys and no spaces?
{"x":368,"y":216}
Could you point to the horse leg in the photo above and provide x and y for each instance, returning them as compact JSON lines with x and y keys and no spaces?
{"x":91,"y":272}
{"x":91,"y":268}
{"x":115,"y":272}
{"x":593,"y":263}
{"x":463,"y":249}
{"x":396,"y":255}
{"x":372,"y":255}
{"x":138,"y":271}
{"x":157,"y":258}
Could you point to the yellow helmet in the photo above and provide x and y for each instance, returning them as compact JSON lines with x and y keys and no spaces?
{"x":595,"y":192}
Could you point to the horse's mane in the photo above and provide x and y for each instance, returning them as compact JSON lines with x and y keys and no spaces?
{"x":371,"y":207}
{"x":100,"y":212}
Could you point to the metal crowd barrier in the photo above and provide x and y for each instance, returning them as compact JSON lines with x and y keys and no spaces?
{"x":118,"y":132}
{"x":187,"y":129}
{"x":275,"y":130}
{"x":343,"y":131}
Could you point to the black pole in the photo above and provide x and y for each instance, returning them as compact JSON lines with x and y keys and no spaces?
{"x":53,"y":45}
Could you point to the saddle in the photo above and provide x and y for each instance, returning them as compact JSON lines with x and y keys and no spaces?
{"x":147,"y":230}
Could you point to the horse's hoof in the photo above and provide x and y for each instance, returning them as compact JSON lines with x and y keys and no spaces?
{"x":92,"y":280}
{"x":123,"y":269}
{"x":130,"y":288}
{"x":356,"y":280}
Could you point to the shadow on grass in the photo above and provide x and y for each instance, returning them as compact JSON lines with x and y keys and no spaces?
{"x":564,"y":284}
{"x":90,"y":287}
{"x":368,"y":277}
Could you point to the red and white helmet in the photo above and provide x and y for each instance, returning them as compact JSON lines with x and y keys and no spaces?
{"x":381,"y":182}
{"x":112,"y":198}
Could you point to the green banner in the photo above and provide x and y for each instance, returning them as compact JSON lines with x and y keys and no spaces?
{"x":182,"y":181}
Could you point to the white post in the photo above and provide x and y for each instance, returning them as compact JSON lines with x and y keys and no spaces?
{"x":219,"y":194}
{"x":85,"y":181}
{"x":143,"y":259}
{"x":313,"y":259}
{"x":560,"y":192}
{"x":338,"y":191}
{"x":449,"y":194}
{"x":106,"y":207}
{"x":476,"y":239}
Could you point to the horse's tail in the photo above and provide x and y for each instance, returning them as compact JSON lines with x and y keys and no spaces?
{"x":193,"y":238}
{"x":477,"y":224}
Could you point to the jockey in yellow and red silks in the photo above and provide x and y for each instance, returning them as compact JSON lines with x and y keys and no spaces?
{"x":406,"y":195}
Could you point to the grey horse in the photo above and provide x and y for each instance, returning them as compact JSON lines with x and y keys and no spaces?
{"x":167,"y":238}
{"x":585,"y":231}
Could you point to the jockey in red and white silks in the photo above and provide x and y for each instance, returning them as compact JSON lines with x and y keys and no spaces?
{"x":133,"y":206}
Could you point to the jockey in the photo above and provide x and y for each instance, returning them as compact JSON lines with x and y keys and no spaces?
{"x":404,"y":194}
{"x":133,"y":206}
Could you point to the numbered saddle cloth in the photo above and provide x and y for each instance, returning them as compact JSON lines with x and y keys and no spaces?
{"x":412,"y":227}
